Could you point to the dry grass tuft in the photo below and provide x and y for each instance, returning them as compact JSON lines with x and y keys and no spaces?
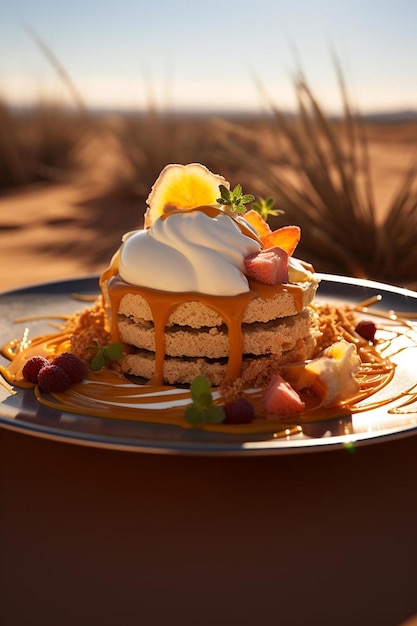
{"x":316,"y":167}
{"x":148,"y":141}
{"x":41,"y":143}
{"x":44,"y":142}
{"x":319,"y":171}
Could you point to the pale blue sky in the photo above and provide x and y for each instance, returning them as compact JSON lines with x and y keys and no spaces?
{"x":201,"y":54}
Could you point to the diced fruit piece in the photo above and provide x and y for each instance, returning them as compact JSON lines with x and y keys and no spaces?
{"x":72,"y":365}
{"x":32,"y":368}
{"x":239,"y":411}
{"x":182,"y":187}
{"x":331,"y":375}
{"x":53,"y":379}
{"x":279,"y":398}
{"x":334,"y":373}
{"x":366,"y":329}
{"x":286,"y":238}
{"x":258,"y":223}
{"x":268,"y":266}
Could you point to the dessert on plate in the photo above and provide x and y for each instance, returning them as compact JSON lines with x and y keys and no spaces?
{"x":205,"y":289}
{"x":207,"y":297}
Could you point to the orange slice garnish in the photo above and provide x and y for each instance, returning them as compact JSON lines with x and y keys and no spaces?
{"x":286,"y":237}
{"x":256,"y":220}
{"x":182,"y":187}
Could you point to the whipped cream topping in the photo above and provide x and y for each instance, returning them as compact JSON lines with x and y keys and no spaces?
{"x":188,"y":252}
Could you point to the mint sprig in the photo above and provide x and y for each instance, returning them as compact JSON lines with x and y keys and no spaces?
{"x":263,"y":206}
{"x":202,"y":410}
{"x":234,"y":198}
{"x":105,"y":354}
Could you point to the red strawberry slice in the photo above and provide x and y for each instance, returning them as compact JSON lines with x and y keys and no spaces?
{"x":279,"y":398}
{"x":268,"y":266}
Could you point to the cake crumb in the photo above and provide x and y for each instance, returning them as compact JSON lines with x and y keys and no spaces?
{"x":232,"y":389}
{"x":88,"y":328}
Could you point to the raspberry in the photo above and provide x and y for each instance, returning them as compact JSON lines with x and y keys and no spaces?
{"x":32,"y":368}
{"x":366,"y":329}
{"x":72,"y":365}
{"x":238,"y":411}
{"x":53,"y":378}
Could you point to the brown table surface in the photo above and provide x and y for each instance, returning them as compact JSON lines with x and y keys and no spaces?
{"x":94,"y":536}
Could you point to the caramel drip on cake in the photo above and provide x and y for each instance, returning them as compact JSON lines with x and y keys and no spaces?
{"x":162,"y":303}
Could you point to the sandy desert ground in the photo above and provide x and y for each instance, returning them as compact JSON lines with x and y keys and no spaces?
{"x":56,"y":231}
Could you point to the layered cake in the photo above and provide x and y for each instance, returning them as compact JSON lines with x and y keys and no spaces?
{"x":206,"y":288}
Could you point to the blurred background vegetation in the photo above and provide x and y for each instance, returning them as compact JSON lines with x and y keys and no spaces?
{"x":317,"y":167}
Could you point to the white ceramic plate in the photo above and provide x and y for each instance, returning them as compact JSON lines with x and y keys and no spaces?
{"x":397,"y":418}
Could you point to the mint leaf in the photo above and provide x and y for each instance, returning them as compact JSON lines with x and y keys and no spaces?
{"x":214,"y":414}
{"x":204,"y":400}
{"x":263,"y":206}
{"x":247,"y":198}
{"x":234,"y":198}
{"x":105,"y":354}
{"x":98,"y":362}
{"x":202,"y":410}
{"x":237,"y":191}
{"x":199,"y":386}
{"x":193,"y":415}
{"x":114,"y":351}
{"x":224,"y":192}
